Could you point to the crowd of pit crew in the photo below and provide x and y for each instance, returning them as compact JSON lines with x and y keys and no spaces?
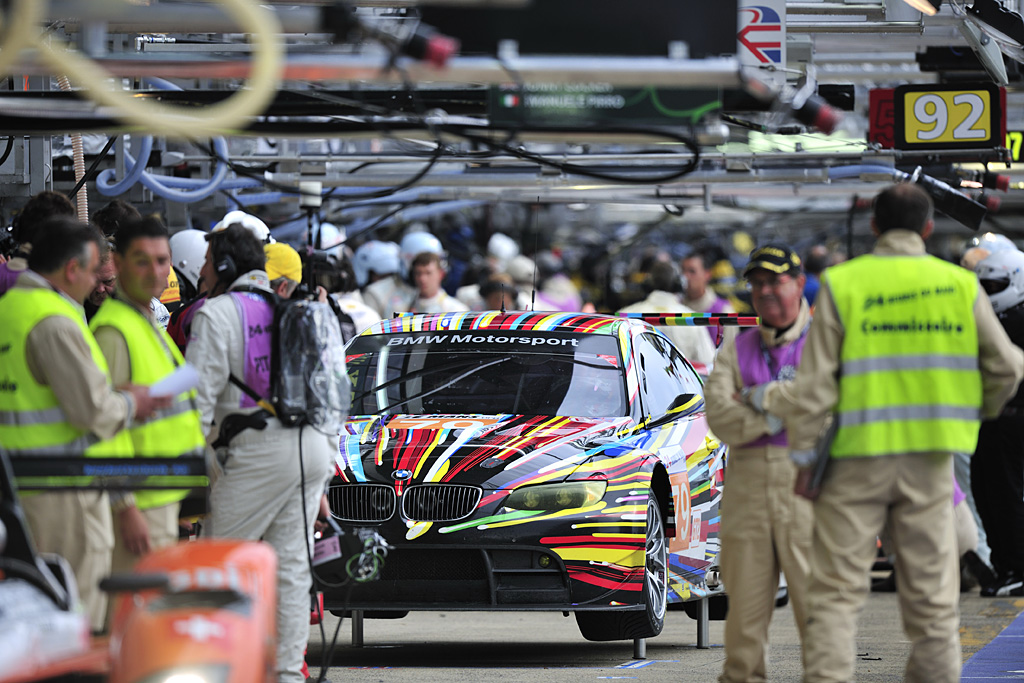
{"x":767,"y":528}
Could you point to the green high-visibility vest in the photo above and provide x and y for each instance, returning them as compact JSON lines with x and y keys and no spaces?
{"x":31,"y":419}
{"x":909,"y":380}
{"x":172,"y":431}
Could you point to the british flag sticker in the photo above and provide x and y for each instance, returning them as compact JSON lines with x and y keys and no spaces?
{"x":761,"y":35}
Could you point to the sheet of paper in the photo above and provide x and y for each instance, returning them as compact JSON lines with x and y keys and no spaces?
{"x":182,"y":379}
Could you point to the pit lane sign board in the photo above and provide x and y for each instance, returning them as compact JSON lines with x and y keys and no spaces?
{"x":962,"y":116}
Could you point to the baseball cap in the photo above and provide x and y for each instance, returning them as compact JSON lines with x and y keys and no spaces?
{"x":282,"y":261}
{"x":775,"y":258}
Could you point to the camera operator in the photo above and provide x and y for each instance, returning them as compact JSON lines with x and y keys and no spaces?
{"x":257,"y":486}
{"x":38,"y":209}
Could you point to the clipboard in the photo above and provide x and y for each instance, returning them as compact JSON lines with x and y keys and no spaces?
{"x":823,"y":448}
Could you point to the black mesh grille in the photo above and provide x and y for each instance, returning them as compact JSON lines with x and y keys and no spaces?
{"x":362,"y":502}
{"x":439,"y":502}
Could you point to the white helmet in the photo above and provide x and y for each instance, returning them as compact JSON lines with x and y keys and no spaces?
{"x":502,"y":248}
{"x":188,"y":253}
{"x":248,"y":221}
{"x":992,"y":241}
{"x":1002,"y":276}
{"x":416,"y":243}
{"x":375,"y":256}
{"x":331,"y":239}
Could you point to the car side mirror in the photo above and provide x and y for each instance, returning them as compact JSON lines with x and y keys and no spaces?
{"x":682,"y":404}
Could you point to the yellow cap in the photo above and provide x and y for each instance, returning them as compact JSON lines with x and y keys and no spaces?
{"x":282,"y":261}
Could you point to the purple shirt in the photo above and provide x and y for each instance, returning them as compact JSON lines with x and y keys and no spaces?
{"x":759,"y":365}
{"x":8,"y":277}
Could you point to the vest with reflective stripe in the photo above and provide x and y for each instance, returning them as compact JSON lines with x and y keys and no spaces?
{"x":172,"y":431}
{"x":31,"y":419}
{"x":909,"y":380}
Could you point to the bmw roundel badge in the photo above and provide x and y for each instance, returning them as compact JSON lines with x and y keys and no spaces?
{"x":401,"y":475}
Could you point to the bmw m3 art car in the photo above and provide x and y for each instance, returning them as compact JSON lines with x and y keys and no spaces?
{"x":529,"y":461}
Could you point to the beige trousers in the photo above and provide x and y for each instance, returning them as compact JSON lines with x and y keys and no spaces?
{"x":76,"y":525}
{"x":911,"y":494}
{"x":258,"y":494}
{"x":163,"y":531}
{"x":765,"y":529}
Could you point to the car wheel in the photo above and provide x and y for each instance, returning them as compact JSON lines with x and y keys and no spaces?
{"x":650,"y":621}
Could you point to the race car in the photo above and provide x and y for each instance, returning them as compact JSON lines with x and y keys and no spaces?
{"x":529,"y":461}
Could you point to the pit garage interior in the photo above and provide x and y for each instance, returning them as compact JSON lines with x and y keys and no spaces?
{"x":578,"y":126}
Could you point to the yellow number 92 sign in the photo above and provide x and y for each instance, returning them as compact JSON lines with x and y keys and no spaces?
{"x":946,"y":117}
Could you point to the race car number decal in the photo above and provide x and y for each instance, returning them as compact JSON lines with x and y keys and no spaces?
{"x":439,"y":423}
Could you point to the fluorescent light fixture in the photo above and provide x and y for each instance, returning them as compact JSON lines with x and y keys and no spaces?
{"x":929,"y":7}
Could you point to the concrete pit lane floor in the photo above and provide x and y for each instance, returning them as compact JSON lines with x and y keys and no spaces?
{"x":446,"y":647}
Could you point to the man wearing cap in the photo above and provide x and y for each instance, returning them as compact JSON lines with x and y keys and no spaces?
{"x":907,"y":352}
{"x":284,"y":268}
{"x":766,"y":528}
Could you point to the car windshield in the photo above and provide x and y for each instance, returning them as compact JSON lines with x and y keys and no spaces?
{"x":478,"y":372}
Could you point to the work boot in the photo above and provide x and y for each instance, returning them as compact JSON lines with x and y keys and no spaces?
{"x":886,"y":585}
{"x":1005,"y":585}
{"x":974,"y":571}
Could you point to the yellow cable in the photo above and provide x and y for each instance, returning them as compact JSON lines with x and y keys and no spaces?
{"x":21,"y":32}
{"x":221,"y":118}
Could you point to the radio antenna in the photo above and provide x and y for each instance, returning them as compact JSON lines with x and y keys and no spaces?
{"x":503,"y":298}
{"x":536,"y":248}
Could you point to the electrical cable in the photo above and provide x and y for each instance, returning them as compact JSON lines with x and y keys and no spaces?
{"x":567,"y":167}
{"x":92,"y":168}
{"x":216,"y":119}
{"x":7,"y":150}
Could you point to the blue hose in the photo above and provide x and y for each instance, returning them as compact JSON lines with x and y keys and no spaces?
{"x":837,"y":172}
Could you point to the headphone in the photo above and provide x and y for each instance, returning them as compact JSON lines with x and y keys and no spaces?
{"x":226,"y":269}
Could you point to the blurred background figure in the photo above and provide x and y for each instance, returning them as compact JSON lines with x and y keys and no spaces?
{"x":106,"y":281}
{"x":39,"y":208}
{"x":815,"y":263}
{"x":665,"y":286}
{"x":697,"y":267}
{"x":427,"y":275}
{"x":499,"y":293}
{"x":555,"y":291}
{"x":348,"y":299}
{"x":997,"y":468}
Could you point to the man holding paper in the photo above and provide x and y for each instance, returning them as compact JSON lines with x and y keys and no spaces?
{"x":56,"y":398}
{"x":139,"y":351}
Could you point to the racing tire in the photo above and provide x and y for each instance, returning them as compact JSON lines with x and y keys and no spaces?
{"x":646,"y":623}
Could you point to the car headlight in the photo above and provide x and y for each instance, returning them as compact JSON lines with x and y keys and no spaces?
{"x":214,"y":673}
{"x":573,"y":494}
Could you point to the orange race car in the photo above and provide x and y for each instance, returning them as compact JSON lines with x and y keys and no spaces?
{"x":200,"y":611}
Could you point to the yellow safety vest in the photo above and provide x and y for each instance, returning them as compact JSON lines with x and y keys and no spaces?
{"x":172,"y":431}
{"x":909,"y":380}
{"x":31,"y":419}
